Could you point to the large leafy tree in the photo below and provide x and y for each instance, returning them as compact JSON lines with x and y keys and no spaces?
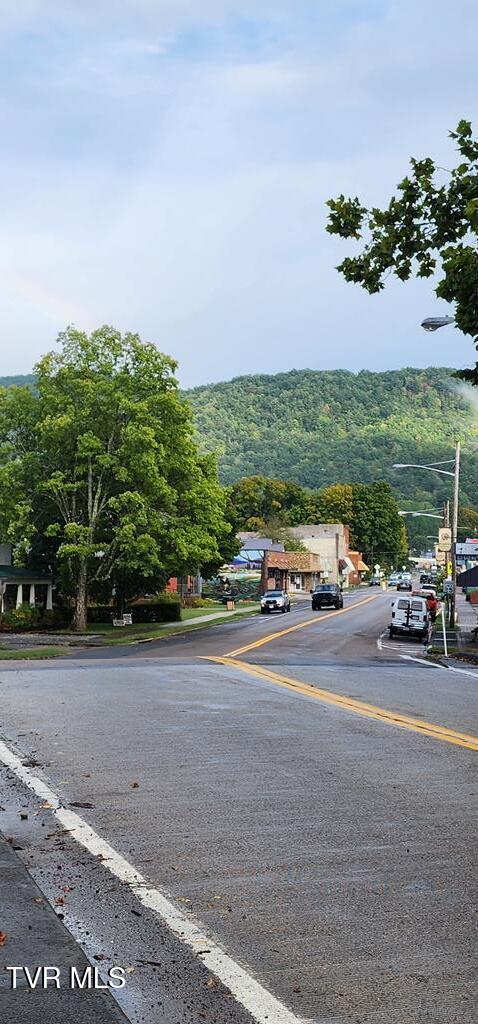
{"x":430,"y":227}
{"x":259,"y":501}
{"x":371,"y":511}
{"x":100,"y":473}
{"x":467,"y":523}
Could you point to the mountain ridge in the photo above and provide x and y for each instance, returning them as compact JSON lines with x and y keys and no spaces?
{"x":317,"y":427}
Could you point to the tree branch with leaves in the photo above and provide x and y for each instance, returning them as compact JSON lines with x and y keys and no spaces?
{"x":430,"y":227}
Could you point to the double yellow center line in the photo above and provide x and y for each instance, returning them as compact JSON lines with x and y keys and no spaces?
{"x":358,"y":707}
{"x":338,"y":700}
{"x":300,"y":625}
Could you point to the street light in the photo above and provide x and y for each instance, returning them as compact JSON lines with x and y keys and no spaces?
{"x":434,"y":467}
{"x":428,"y":515}
{"x":433,"y":323}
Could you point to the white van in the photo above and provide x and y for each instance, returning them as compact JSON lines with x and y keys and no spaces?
{"x":410,"y":615}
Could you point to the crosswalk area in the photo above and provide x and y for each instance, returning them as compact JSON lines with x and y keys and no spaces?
{"x":401,"y":645}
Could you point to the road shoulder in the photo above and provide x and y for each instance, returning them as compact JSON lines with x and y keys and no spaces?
{"x":35,"y":936}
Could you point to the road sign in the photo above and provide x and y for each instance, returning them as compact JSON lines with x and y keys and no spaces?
{"x":444,"y":538}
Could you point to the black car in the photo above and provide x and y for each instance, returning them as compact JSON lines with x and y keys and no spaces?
{"x":325,"y":595}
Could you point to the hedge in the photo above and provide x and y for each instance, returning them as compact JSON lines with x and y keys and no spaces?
{"x":165,"y":608}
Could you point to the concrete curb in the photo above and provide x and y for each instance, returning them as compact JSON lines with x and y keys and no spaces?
{"x":35,"y":936}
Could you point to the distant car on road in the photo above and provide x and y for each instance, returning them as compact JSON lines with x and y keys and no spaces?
{"x":325,"y":595}
{"x":275,"y":601}
{"x":374,"y":581}
{"x":404,"y":584}
{"x":394,"y":579}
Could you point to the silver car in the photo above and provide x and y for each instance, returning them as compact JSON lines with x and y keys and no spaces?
{"x":275,"y":601}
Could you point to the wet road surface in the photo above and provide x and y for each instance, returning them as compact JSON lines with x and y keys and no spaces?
{"x":328,"y":853}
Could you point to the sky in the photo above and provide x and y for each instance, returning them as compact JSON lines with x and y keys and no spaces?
{"x":165,"y":166}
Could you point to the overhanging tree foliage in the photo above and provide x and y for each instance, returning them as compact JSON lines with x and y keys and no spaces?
{"x":430,"y":227}
{"x":101,"y":461}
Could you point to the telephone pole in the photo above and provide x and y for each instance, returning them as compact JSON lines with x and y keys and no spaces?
{"x":454,"y":530}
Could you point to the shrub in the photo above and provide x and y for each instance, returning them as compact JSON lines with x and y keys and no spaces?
{"x":55,"y":618}
{"x":163,"y":608}
{"x":196,"y":602}
{"x":18,"y":619}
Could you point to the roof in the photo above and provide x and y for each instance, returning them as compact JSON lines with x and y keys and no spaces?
{"x":294,"y":561}
{"x":17,"y":573}
{"x":359,"y":564}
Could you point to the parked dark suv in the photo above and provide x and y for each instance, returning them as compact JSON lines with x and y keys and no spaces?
{"x":327,"y":594}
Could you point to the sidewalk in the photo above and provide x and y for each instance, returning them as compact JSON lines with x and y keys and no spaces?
{"x":466,"y":621}
{"x":36,"y":937}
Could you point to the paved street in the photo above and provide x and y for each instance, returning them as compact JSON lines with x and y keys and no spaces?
{"x":307,"y":802}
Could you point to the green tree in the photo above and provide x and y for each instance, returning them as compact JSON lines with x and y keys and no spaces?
{"x":430,"y":228}
{"x":335,"y":504}
{"x":100,"y":467}
{"x":467,"y":523}
{"x":371,"y":511}
{"x":259,"y":500}
{"x":377,"y":528}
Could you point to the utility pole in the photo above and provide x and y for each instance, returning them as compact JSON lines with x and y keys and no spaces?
{"x":454,"y":530}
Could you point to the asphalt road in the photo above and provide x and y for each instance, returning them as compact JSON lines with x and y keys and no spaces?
{"x":327,"y":848}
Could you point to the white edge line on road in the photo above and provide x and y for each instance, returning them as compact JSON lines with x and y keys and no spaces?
{"x":261,"y":1004}
{"x":421,"y":661}
{"x":447,"y":668}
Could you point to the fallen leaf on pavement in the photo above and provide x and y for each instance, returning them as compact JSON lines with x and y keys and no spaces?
{"x":46,"y":806}
{"x":212,"y":982}
{"x":81,"y":803}
{"x":60,"y":901}
{"x":23,"y":815}
{"x":3,"y":938}
{"x":135,"y":785}
{"x":37,"y":899}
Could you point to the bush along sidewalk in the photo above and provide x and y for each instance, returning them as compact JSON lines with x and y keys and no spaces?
{"x":163,"y":608}
{"x":27,"y":618}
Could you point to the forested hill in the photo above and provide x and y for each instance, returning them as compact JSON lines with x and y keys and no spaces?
{"x":22,"y":380}
{"x":318,"y":427}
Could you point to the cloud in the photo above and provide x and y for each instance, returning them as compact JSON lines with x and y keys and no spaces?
{"x":166,"y":166}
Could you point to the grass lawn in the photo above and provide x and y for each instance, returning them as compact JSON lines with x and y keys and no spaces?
{"x":193,"y":613}
{"x":125,"y":634}
{"x":118,"y":635}
{"x":35,"y":652}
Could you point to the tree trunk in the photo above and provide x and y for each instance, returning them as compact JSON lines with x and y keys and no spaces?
{"x":81,"y":603}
